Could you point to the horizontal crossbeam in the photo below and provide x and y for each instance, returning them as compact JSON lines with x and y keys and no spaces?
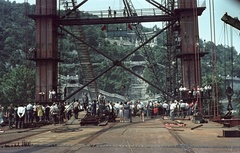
{"x":135,"y":19}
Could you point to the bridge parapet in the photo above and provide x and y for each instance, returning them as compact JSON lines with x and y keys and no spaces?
{"x":120,"y":13}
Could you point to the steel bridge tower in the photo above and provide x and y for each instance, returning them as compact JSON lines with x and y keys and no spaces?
{"x":190,"y":55}
{"x":46,"y":53}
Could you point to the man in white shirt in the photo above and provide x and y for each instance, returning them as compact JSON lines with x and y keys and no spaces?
{"x":116,"y":107}
{"x":165,"y":108}
{"x":172,"y":109}
{"x":184,"y":108}
{"x":141,"y":109}
{"x":52,"y":94}
{"x":21,"y":113}
{"x":35,"y":112}
{"x":68,"y":110}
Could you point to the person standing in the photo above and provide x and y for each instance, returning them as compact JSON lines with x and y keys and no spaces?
{"x":116,"y":108}
{"x":191,"y":108}
{"x":61,"y":112}
{"x":94,"y":107}
{"x":1,"y":115}
{"x":183,"y":108}
{"x":120,"y":113}
{"x":54,"y":111}
{"x":111,"y":112}
{"x":165,"y":108}
{"x":140,"y":107}
{"x":47,"y":112}
{"x":160,"y":108}
{"x":150,"y":109}
{"x":172,"y":110}
{"x":76,"y":109}
{"x":124,"y":12}
{"x":35,"y":117}
{"x":68,"y":111}
{"x":109,"y":12}
{"x":21,"y":115}
{"x":115,"y":13}
{"x":126,"y":116}
{"x":134,"y":109}
{"x":16,"y":117}
{"x":29,"y":113}
{"x":39,"y":112}
{"x":10,"y":116}
{"x":85,"y":101}
{"x":130,"y":111}
{"x":52,"y":94}
{"x":178,"y":108}
{"x":107,"y":111}
{"x":101,"y":105}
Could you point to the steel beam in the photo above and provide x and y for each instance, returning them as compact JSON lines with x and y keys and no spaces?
{"x":135,"y":19}
{"x":234,"y":22}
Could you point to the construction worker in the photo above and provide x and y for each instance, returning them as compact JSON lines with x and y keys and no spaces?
{"x":109,"y":12}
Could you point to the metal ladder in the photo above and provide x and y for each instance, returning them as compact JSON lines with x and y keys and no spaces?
{"x":83,"y":52}
{"x":171,"y":49}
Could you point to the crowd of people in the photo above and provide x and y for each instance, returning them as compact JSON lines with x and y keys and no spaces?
{"x":126,"y":110}
{"x":16,"y":116}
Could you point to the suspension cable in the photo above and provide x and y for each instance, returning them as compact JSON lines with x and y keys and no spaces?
{"x":196,"y":53}
{"x":214,"y":68}
{"x":225,"y":59}
{"x":231,"y":36}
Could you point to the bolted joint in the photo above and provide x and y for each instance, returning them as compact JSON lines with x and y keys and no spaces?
{"x":117,"y":63}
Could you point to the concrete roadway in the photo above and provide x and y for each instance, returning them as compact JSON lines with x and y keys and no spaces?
{"x":136,"y":137}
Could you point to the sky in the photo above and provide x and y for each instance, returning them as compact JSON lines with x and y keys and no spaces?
{"x":232,"y":7}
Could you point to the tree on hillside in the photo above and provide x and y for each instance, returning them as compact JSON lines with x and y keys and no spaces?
{"x":18,"y":85}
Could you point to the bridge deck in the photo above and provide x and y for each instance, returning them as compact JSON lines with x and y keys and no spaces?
{"x":149,"y":136}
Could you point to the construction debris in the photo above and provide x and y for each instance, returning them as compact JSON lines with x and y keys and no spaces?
{"x":196,"y":127}
{"x":173,"y":124}
{"x":198,"y":118}
{"x":231,"y":133}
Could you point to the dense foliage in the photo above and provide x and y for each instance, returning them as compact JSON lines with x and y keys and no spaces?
{"x":18,"y":85}
{"x":17,"y":35}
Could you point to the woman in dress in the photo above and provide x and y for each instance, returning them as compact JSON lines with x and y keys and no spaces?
{"x":120,"y":113}
{"x":39,"y":112}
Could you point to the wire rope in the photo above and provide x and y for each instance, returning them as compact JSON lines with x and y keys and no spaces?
{"x":214,"y":67}
{"x":225,"y":61}
{"x":196,"y":53}
{"x":231,"y":36}
{"x":222,"y":35}
{"x":211,"y":38}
